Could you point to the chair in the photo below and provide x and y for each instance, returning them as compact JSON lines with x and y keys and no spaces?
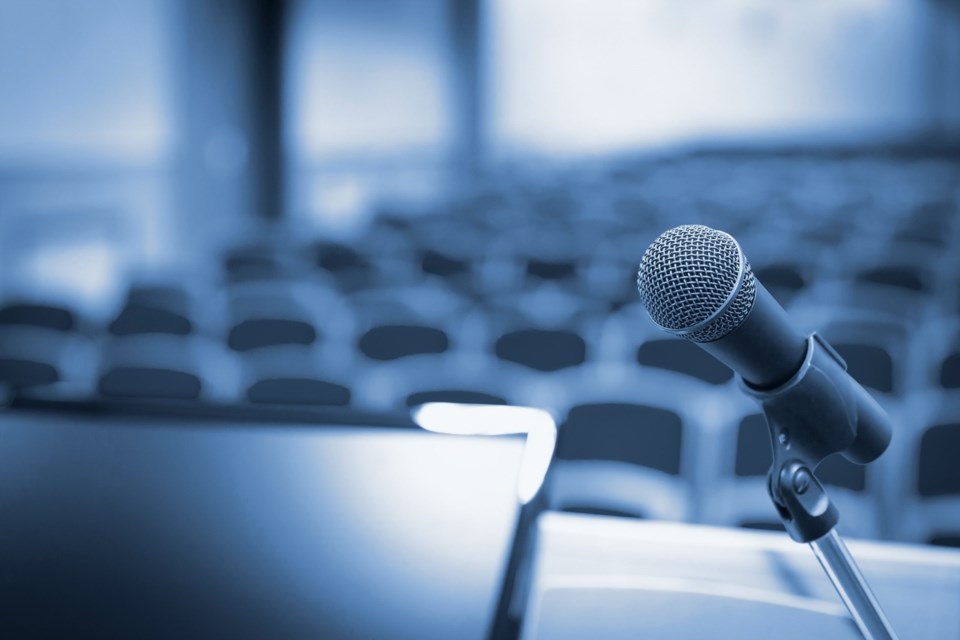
{"x":165,"y":366}
{"x":39,"y":314}
{"x":454,"y":271}
{"x":255,"y":262}
{"x":901,"y":291}
{"x":263,"y":320}
{"x":293,"y":374}
{"x":454,"y":376}
{"x":880,"y":352}
{"x":408,"y":341}
{"x":785,"y":280}
{"x":394,"y":341}
{"x":749,"y":503}
{"x":685,"y":357}
{"x":349,"y":268}
{"x":926,"y":499}
{"x":282,"y":355}
{"x":545,"y":350}
{"x":950,"y":371}
{"x":628,"y":444}
{"x":450,"y":249}
{"x":741,"y":496}
{"x":154,"y":309}
{"x":40,"y":344}
{"x":30,"y":357}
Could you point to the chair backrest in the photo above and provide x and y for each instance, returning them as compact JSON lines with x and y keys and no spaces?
{"x":684,"y":357}
{"x":154,"y":309}
{"x":36,"y":314}
{"x":938,"y":471}
{"x":149,"y":382}
{"x":754,"y":457}
{"x":151,"y":366}
{"x":394,"y":341}
{"x":784,"y":280}
{"x":350,"y":268}
{"x":617,"y":431}
{"x":871,"y":365}
{"x":950,"y":371}
{"x":269,"y":320}
{"x":300,"y":391}
{"x":545,"y":350}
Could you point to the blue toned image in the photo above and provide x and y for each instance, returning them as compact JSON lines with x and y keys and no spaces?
{"x":493,"y":319}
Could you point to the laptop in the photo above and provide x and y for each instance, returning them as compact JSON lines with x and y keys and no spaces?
{"x":146,"y":526}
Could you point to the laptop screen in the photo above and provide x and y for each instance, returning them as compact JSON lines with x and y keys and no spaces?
{"x":147,"y":527}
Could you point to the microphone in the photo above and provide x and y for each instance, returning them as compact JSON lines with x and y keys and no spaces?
{"x":696,"y":283}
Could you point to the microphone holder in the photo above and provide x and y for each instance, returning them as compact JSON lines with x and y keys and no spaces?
{"x":820,"y":411}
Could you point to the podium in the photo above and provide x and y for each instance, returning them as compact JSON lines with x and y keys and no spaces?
{"x":610,"y":578}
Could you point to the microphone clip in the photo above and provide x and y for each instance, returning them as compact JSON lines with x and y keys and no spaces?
{"x":818,"y":412}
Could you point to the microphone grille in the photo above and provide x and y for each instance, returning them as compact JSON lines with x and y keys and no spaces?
{"x":687,"y":275}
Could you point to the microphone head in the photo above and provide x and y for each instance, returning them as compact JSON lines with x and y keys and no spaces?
{"x":696,"y":283}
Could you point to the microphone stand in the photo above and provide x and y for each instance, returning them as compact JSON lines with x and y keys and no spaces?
{"x":811,"y":517}
{"x":822,"y":411}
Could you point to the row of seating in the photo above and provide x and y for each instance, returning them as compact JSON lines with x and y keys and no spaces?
{"x":522,"y":291}
{"x":548,"y":333}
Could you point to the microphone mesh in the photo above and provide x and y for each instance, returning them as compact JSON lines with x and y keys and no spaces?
{"x":687,"y":275}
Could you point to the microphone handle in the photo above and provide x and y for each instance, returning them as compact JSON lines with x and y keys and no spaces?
{"x":766,"y":350}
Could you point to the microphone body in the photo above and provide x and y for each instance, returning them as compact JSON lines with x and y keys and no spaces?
{"x":696,"y":283}
{"x":765,"y":349}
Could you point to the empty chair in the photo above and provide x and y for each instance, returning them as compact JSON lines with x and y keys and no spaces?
{"x":949,"y":374}
{"x":349,"y":268}
{"x":421,"y":318}
{"x":870,"y":364}
{"x":683,"y":356}
{"x":282,"y":355}
{"x":626,"y":432}
{"x":625,"y":446}
{"x":154,"y":366}
{"x":740,"y":496}
{"x":545,"y":350}
{"x":607,"y":443}
{"x":254,"y":262}
{"x":401,"y":337}
{"x":555,"y":270}
{"x":903,"y":277}
{"x":610,"y":278}
{"x":548,"y":304}
{"x":40,"y":345}
{"x":877,"y":351}
{"x":458,"y":396}
{"x":929,"y":507}
{"x":426,"y":302}
{"x":452,"y":249}
{"x":785,"y":280}
{"x":294,"y":373}
{"x":454,"y":271}
{"x":901,"y":291}
{"x":454,"y":377}
{"x":394,"y":341}
{"x":929,"y":224}
{"x":262,"y":320}
{"x":30,"y":358}
{"x":154,"y":309}
{"x":38,"y":314}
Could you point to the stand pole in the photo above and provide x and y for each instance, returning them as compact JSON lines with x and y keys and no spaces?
{"x":819,"y":412}
{"x":845,"y":575}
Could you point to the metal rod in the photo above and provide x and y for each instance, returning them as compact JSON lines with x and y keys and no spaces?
{"x":853,"y":589}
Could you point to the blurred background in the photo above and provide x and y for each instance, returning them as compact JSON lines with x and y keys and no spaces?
{"x":375,"y":203}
